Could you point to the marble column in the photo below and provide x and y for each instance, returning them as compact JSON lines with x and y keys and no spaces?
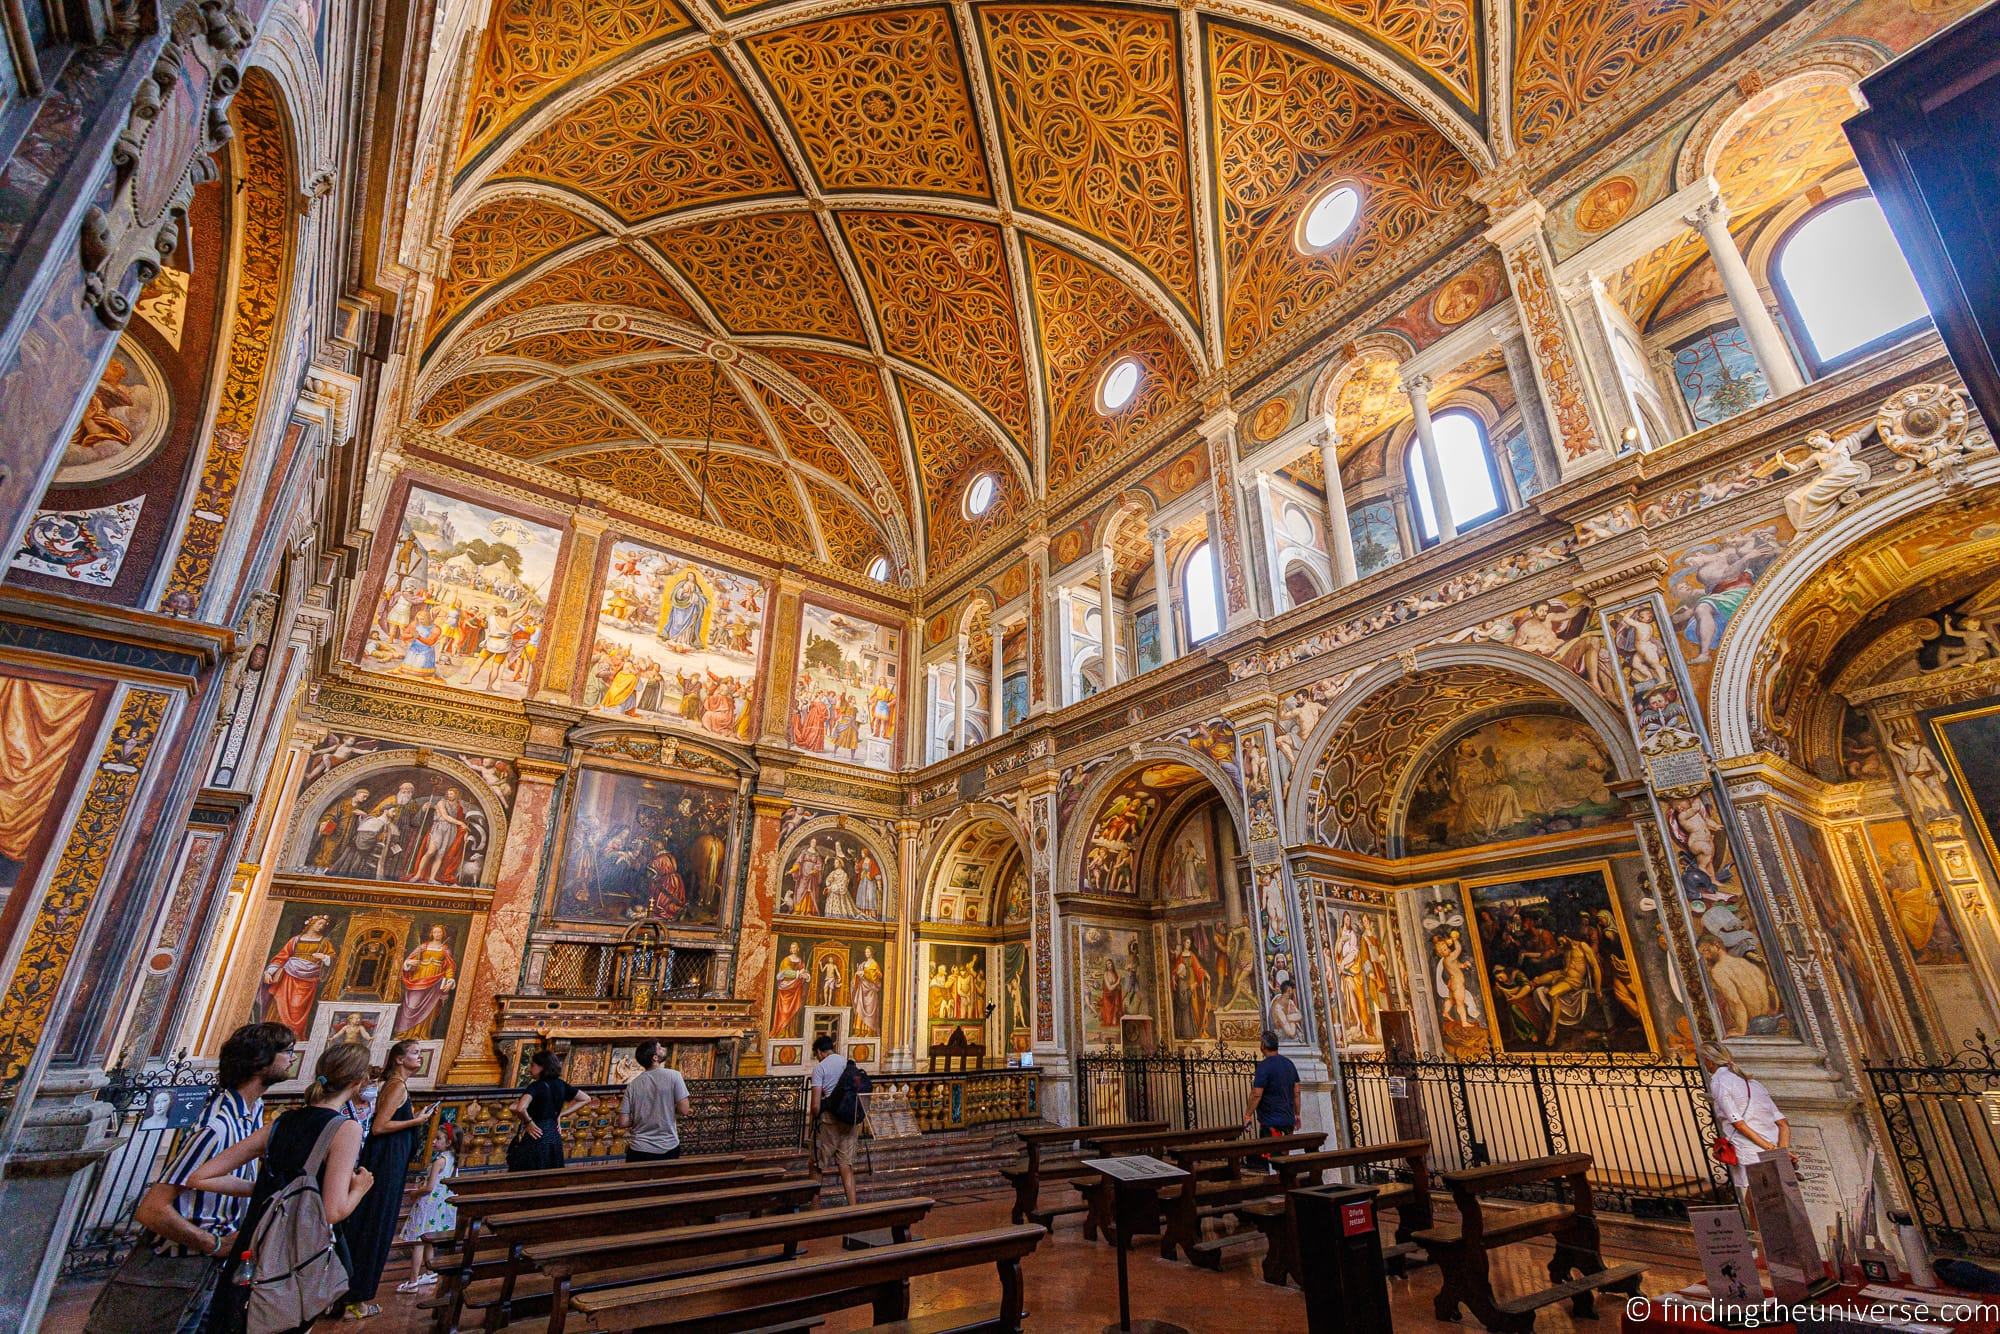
{"x":1267,"y":542}
{"x":958,"y":697}
{"x":1339,"y":532}
{"x":1418,"y":387}
{"x":1045,"y":956}
{"x":508,"y":917}
{"x":1711,"y":219}
{"x":1528,"y":398}
{"x":1108,"y":627}
{"x":1065,"y":650}
{"x":996,"y":716}
{"x":1163,"y":599}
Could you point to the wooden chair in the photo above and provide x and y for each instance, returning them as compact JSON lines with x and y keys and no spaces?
{"x":1278,"y":1219}
{"x":788,"y":1292}
{"x":1577,"y":1270}
{"x":1218,"y":1186}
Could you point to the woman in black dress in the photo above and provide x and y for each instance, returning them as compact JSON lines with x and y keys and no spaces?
{"x":392,"y":1138}
{"x":541,"y":1107}
{"x":283,"y":1147}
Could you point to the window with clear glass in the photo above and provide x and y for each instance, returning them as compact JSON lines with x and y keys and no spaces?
{"x":980,"y":495}
{"x":878,"y":569}
{"x":1471,"y":487}
{"x":1844,"y":283}
{"x":1198,"y":588}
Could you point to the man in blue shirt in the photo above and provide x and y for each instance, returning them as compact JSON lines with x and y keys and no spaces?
{"x":1274,"y":1093}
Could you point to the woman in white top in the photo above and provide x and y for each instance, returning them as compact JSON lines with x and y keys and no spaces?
{"x":1744,"y":1112}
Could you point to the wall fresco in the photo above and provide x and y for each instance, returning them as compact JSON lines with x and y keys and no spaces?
{"x":847,"y":695}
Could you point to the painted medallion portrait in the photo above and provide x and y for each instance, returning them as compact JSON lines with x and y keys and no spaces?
{"x":124,"y":420}
{"x":638,"y":847}
{"x":464,"y":598}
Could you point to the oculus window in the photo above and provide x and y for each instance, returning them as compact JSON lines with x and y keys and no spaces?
{"x":1843,"y":281}
{"x":1119,"y":385}
{"x":980,"y":495}
{"x":878,"y":569}
{"x":1331,"y":217}
{"x":1471,"y":487}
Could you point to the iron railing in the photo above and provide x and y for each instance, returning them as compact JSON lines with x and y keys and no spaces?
{"x":1943,"y":1124}
{"x":1647,"y":1123}
{"x":102,"y":1234}
{"x":1185,"y":1089}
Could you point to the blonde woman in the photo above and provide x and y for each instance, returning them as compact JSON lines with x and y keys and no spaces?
{"x":1745,"y":1112}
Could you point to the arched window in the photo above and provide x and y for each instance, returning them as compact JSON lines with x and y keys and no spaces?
{"x":1198,"y":585}
{"x":1844,"y":284}
{"x":1471,"y":487}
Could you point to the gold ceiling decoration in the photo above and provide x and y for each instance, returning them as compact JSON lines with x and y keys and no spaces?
{"x":921,"y":232}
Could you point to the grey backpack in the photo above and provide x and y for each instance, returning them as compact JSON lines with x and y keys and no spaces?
{"x":295,"y":1272}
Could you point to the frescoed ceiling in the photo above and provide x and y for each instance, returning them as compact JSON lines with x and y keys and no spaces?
{"x":808,"y":276}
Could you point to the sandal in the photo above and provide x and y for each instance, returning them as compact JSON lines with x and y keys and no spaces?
{"x":364,"y":1311}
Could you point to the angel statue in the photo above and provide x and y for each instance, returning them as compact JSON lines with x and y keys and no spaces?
{"x":1841,"y":476}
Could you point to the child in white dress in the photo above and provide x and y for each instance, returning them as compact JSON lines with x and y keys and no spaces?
{"x":433,"y":1211}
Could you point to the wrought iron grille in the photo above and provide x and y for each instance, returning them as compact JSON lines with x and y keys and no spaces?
{"x":104,"y":1229}
{"x":575,"y":969}
{"x":1185,"y":1089}
{"x":1943,"y":1124}
{"x":1647,"y":1123}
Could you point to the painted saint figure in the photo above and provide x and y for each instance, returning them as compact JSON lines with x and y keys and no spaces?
{"x":867,"y":885}
{"x":867,"y":995}
{"x":292,"y":980}
{"x":806,"y":872}
{"x":441,"y":853}
{"x":687,"y":612}
{"x":839,"y":902}
{"x":430,"y":975}
{"x":788,"y":1004}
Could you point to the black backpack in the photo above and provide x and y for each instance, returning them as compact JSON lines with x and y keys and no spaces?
{"x":844,"y":1103}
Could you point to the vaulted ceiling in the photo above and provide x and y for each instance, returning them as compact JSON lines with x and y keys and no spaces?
{"x":807,"y":270}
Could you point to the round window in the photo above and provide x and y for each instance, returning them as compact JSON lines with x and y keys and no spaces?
{"x":1331,"y":217}
{"x":1120,"y":383}
{"x":878,"y":569}
{"x":979,"y":496}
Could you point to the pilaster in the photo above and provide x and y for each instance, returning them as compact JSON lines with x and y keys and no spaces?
{"x":1219,"y":430}
{"x":1576,"y":426}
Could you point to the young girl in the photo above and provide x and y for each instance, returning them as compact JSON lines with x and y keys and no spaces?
{"x":433,"y":1211}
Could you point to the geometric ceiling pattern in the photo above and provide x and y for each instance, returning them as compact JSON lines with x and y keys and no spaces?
{"x":808,"y":277}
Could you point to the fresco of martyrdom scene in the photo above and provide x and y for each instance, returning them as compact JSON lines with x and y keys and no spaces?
{"x":1556,"y":964}
{"x":1512,"y":778}
{"x":676,"y":642}
{"x":847,"y":695}
{"x":463,"y":600}
{"x":1115,"y":973}
{"x":1361,"y":974}
{"x":334,"y":957}
{"x":1211,"y":973}
{"x":639,"y":847}
{"x":408,"y":825}
{"x":1111,"y":857}
{"x":832,"y":874}
{"x":1014,"y":1007}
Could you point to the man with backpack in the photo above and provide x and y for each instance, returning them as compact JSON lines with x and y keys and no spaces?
{"x":836,"y":1111}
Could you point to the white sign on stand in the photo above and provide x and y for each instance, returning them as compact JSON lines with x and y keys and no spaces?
{"x":1786,"y":1228}
{"x":1728,"y":1260}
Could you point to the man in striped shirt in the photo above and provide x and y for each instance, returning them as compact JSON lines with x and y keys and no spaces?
{"x":198,"y":1222}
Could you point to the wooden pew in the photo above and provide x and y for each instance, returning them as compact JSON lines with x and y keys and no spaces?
{"x":1029,"y":1176}
{"x":1461,"y":1252}
{"x":469,"y":1184}
{"x":786,"y":1292}
{"x":1126,"y":1143}
{"x":472,"y":1209}
{"x":532,"y":1297}
{"x":487,"y":1252}
{"x":1278,"y":1219}
{"x":1217,"y":1185}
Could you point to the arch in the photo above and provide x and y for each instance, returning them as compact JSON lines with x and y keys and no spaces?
{"x":1844,"y":63}
{"x":1089,"y":805}
{"x":665,"y":748}
{"x":1301,"y":568}
{"x":1377,"y":345}
{"x":1738,"y":659}
{"x":868,"y":838}
{"x":969,"y":818}
{"x":354,"y":772}
{"x":1570,"y":688}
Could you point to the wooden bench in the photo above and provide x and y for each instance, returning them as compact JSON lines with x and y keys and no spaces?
{"x":1097,"y":1191}
{"x":488,"y":1253}
{"x":473,"y":1209}
{"x":1218,"y":1185}
{"x":1278,"y":1219}
{"x":467,"y":1185}
{"x":786,"y":1292}
{"x":532,"y":1297}
{"x":1577,"y":1270}
{"x":1028,"y":1176}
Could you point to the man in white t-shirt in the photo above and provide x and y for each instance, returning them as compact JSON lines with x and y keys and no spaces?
{"x":655,"y":1101}
{"x":834,"y":1141}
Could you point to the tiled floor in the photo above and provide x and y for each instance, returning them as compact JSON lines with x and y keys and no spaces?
{"x":1072,"y":1285}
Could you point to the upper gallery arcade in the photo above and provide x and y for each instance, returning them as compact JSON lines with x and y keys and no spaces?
{"x":1008,"y":529}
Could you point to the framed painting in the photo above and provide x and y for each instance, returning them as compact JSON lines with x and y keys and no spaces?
{"x":1718,"y":375}
{"x":1556,"y":964}
{"x":636,"y":846}
{"x":1377,"y":545}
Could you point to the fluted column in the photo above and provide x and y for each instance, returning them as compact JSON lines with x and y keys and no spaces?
{"x":1339,"y":532}
{"x":996,"y":717}
{"x":1711,"y":219}
{"x":1163,"y":599}
{"x":1107,"y":629}
{"x":1418,"y":387}
{"x":958,"y":697}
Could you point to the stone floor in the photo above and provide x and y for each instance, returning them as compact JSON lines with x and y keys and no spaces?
{"x":1072,"y":1285}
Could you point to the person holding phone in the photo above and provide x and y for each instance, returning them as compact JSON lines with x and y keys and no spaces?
{"x":392,"y":1141}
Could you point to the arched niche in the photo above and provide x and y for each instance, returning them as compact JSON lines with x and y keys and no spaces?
{"x":1095,"y":804}
{"x":355,"y":822}
{"x":978,"y":863}
{"x":974,"y":959}
{"x":824,"y":870}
